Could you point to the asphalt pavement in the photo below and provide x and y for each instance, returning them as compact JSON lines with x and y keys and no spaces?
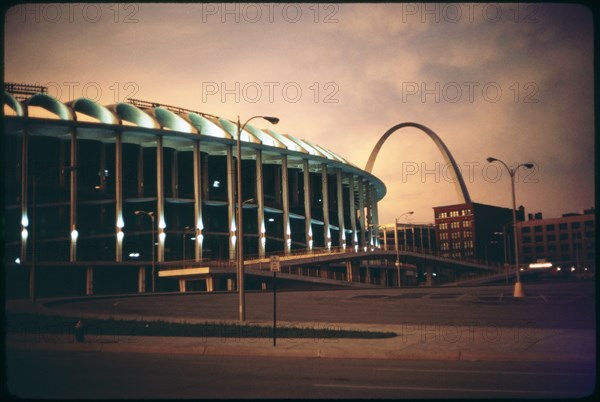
{"x":433,"y":340}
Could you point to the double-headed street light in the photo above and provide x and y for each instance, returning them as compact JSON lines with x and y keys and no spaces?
{"x":240,"y":243}
{"x":151,"y":216}
{"x":396,"y":241}
{"x":518,"y":291}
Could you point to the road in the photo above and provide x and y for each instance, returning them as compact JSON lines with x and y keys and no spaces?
{"x":565,"y":305}
{"x":52,"y":374}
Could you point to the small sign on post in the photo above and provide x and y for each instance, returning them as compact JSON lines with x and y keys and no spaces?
{"x":275,"y":265}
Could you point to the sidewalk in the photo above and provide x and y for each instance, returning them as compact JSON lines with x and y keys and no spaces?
{"x":413,"y":342}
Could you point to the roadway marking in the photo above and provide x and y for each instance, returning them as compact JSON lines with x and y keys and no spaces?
{"x":582,"y":374}
{"x":386,"y":387}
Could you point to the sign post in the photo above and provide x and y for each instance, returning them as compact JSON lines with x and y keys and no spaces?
{"x":275,"y":267}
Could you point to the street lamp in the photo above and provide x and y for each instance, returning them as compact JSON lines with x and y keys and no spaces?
{"x":396,"y":241}
{"x":36,"y":179}
{"x":240,"y":250}
{"x":518,"y":291}
{"x":151,"y":216}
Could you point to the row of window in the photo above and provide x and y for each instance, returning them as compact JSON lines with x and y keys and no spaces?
{"x":445,"y":246}
{"x":456,"y":235}
{"x":561,"y":236}
{"x":454,"y":214}
{"x":561,"y":226}
{"x":455,"y":225}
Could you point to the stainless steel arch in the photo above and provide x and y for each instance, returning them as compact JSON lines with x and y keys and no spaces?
{"x":460,"y":186}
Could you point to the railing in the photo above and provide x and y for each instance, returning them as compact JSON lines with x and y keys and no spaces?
{"x":317,"y":253}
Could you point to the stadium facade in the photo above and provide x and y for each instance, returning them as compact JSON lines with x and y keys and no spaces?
{"x":77,"y":172}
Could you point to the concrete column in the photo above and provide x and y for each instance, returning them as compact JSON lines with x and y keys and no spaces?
{"x":369,"y":214}
{"x":142,"y":280}
{"x":182,"y":285}
{"x":307,"y":209}
{"x":230,"y":284}
{"x":325,"y":202}
{"x":361,"y":208}
{"x":209,"y":284}
{"x":119,"y":196}
{"x":383,"y":275}
{"x":285,"y":201}
{"x":374,"y":214}
{"x":160,"y":198}
{"x":73,"y":198}
{"x":140,"y":172}
{"x":429,"y":270}
{"x":89,"y":281}
{"x":175,"y":175}
{"x":340,"y":202}
{"x":260,"y":202}
{"x":198,"y":201}
{"x":353,"y":270}
{"x":352,"y":210}
{"x":324,"y":271}
{"x":24,"y":195}
{"x":231,"y":202}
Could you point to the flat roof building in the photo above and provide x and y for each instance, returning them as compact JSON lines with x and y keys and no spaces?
{"x":568,"y":242}
{"x":475,"y":231}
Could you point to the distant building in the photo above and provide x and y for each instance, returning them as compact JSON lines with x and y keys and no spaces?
{"x":418,"y":237}
{"x":473,"y":230}
{"x":568,"y":242}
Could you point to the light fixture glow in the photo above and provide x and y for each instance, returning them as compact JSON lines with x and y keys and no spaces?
{"x":24,"y":234}
{"x":74,"y":235}
{"x":25,"y":221}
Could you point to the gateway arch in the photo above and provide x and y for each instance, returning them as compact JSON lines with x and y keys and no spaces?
{"x":461,"y":188}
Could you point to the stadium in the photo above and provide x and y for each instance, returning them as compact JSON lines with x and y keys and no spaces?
{"x":107,"y":190}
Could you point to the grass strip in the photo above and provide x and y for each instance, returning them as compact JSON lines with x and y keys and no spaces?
{"x":47,"y":324}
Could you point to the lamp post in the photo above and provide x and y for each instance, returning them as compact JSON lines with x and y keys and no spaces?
{"x":32,"y":277}
{"x":396,"y":242}
{"x":518,"y":291}
{"x":151,"y":216}
{"x":240,"y":233}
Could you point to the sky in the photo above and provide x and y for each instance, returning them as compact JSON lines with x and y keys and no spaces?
{"x":510,"y":81}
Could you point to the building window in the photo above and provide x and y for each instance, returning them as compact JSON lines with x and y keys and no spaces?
{"x":467,"y":234}
{"x":550,"y":228}
{"x":443,"y":226}
{"x":526,"y":239}
{"x":575,"y":225}
{"x":526,"y":229}
{"x":564,"y":247}
{"x":539,"y":239}
{"x":443,"y":215}
{"x":467,"y":224}
{"x":469,"y":244}
{"x":551,"y":237}
{"x":539,"y":249}
{"x":455,"y":235}
{"x":562,"y":226}
{"x":454,"y":225}
{"x":563,"y":236}
{"x":589,"y":224}
{"x":537,"y":229}
{"x":527,"y":250}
